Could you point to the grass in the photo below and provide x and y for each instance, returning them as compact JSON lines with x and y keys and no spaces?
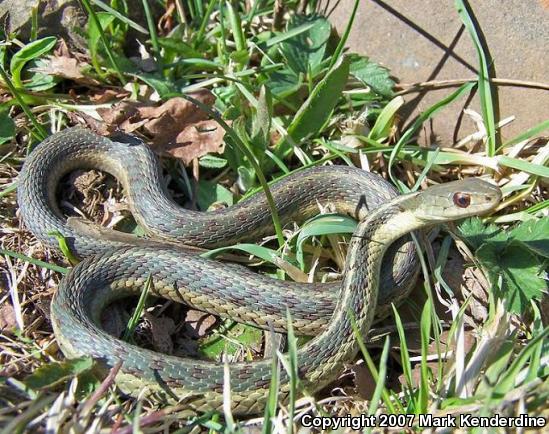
{"x":285,"y":100}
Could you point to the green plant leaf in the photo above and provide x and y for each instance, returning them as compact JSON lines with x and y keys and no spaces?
{"x":520,"y":270}
{"x":484,"y":83}
{"x":372,"y":75}
{"x":64,"y":247}
{"x":534,"y":234}
{"x":477,"y":233}
{"x":55,"y":373}
{"x":7,"y":126}
{"x":318,"y":107}
{"x":37,"y":81}
{"x":305,"y":51}
{"x":230,"y":340}
{"x":385,"y":121}
{"x":264,"y":253}
{"x":212,"y":162}
{"x":29,"y":52}
{"x":94,"y":34}
{"x":326,"y":224}
{"x":210,"y":193}
{"x":261,"y":123}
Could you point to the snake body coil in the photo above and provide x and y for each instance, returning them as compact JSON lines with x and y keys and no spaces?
{"x":116,"y":270}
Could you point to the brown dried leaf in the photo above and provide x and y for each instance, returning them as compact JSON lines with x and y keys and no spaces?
{"x":177,"y":127}
{"x":198,"y":324}
{"x":364,"y":382}
{"x":66,"y":67}
{"x":8,"y":322}
{"x":196,"y":140}
{"x":161,"y":329}
{"x":416,"y":373}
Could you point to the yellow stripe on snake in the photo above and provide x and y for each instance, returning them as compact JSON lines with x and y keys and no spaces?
{"x":112,"y":269}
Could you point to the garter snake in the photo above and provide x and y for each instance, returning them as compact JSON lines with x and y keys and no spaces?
{"x":113,"y":270}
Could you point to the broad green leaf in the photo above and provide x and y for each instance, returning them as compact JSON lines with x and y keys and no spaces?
{"x":295,"y":31}
{"x":372,"y":75}
{"x":261,"y":123}
{"x":7,"y":126}
{"x":284,"y":83}
{"x":520,"y":269}
{"x":323,"y":225}
{"x":163,"y":87}
{"x":477,"y":233}
{"x":179,"y":47}
{"x":212,"y":162}
{"x":210,"y":193}
{"x":534,"y":234}
{"x":246,"y":178}
{"x":94,"y":34}
{"x":264,"y":253}
{"x":29,"y":52}
{"x":305,"y":51}
{"x":55,"y":373}
{"x":318,"y":107}
{"x":237,"y":336}
{"x":38,"y":81}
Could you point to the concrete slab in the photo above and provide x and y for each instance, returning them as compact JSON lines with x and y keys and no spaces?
{"x":423,"y":40}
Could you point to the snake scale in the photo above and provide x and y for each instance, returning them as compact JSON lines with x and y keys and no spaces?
{"x":112,"y":270}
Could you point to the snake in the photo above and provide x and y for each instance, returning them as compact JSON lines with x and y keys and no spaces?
{"x":374,"y":271}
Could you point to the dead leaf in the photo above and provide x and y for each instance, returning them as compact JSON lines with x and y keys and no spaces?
{"x":416,"y":373}
{"x":106,"y":95}
{"x":196,"y":140}
{"x":161,"y":330}
{"x":66,"y":67}
{"x":8,"y":322}
{"x":177,"y":127}
{"x":364,"y":382}
{"x":198,"y":324}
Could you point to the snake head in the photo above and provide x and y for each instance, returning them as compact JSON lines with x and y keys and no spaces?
{"x":456,"y":200}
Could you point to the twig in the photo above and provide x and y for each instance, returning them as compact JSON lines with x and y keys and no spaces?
{"x":416,"y":87}
{"x":102,"y":389}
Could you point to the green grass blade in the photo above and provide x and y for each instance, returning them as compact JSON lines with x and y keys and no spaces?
{"x":380,"y":382}
{"x":404,"y":353}
{"x":528,"y":134}
{"x":385,"y":120}
{"x":272,"y":400}
{"x":110,"y":54}
{"x":120,"y":16}
{"x":152,"y":32}
{"x":40,"y":132}
{"x":345,"y":36}
{"x":370,"y":363}
{"x":525,"y":166}
{"x":425,"y":325}
{"x":427,"y":114}
{"x":251,"y":158}
{"x":484,"y":84}
{"x":8,"y":189}
{"x":64,"y":247}
{"x":134,"y":320}
{"x":34,"y":261}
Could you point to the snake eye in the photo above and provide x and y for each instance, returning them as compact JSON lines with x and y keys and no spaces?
{"x":463,"y":200}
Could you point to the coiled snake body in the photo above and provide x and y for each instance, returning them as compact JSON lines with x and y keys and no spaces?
{"x":113,"y":269}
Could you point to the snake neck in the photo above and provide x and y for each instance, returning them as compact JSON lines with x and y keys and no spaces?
{"x":360,"y":285}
